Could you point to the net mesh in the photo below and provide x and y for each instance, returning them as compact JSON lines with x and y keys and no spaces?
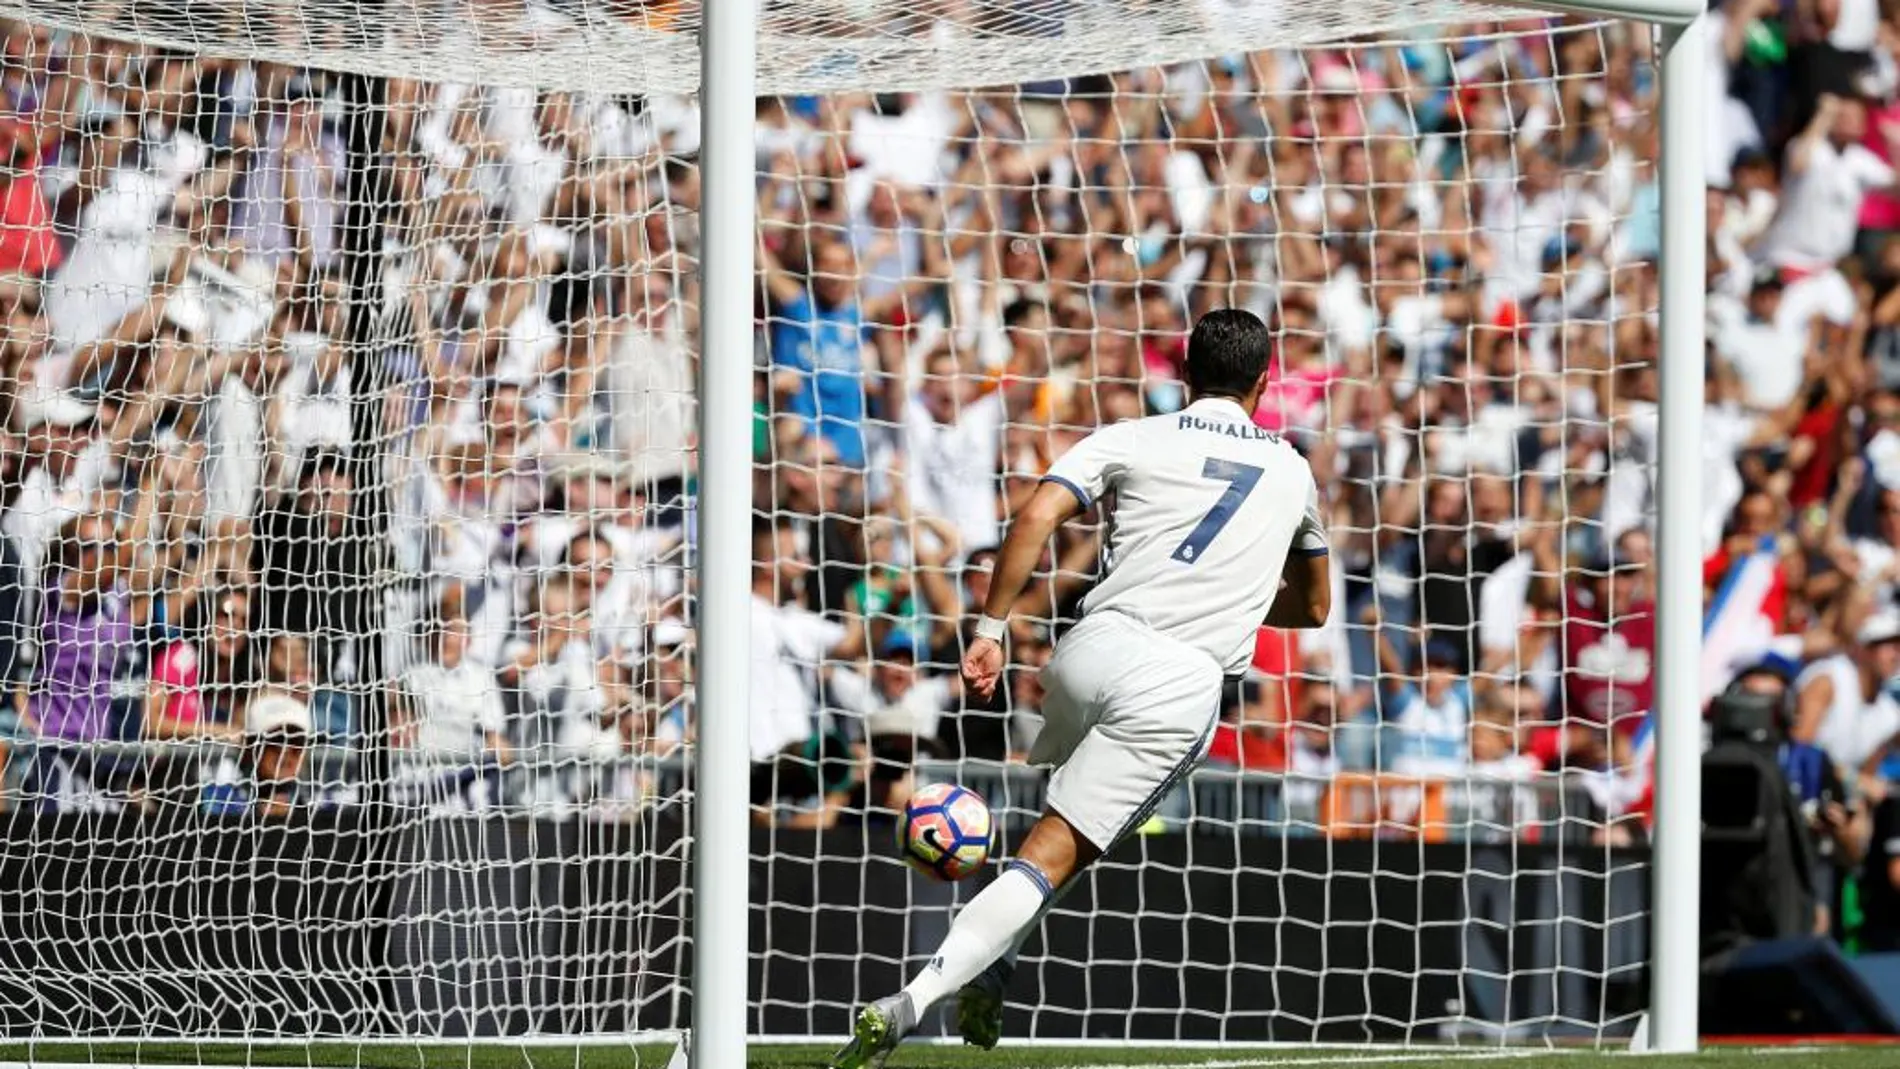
{"x":803,"y":48}
{"x":350,"y":475}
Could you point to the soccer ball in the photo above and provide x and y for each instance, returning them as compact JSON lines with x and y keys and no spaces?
{"x":946,"y":831}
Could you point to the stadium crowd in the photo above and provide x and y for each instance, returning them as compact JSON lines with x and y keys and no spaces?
{"x":212,"y":478}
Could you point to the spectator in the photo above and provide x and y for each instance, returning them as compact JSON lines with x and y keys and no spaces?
{"x":1843,"y":704}
{"x":1501,"y":802}
{"x":669,"y":690}
{"x":952,"y":443}
{"x":818,"y":343}
{"x":244,"y":451}
{"x":918,"y":600}
{"x":112,"y":209}
{"x":797,"y":760}
{"x":1313,"y":744}
{"x":313,"y":410}
{"x":290,"y":670}
{"x":448,"y":717}
{"x":899,"y":709}
{"x":1761,"y":344}
{"x":65,"y":466}
{"x":88,"y":636}
{"x":291,"y":203}
{"x":1427,"y":709}
{"x":1877,"y":554}
{"x":306,"y":558}
{"x":1609,"y":639}
{"x":1880,"y":880}
{"x":1828,"y":175}
{"x":1248,"y":735}
{"x":265,"y":779}
{"x":564,"y":702}
{"x":646,"y":392}
{"x":28,"y":242}
{"x":200,"y":683}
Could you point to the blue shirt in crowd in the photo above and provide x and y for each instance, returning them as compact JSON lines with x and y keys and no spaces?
{"x":826,"y":345}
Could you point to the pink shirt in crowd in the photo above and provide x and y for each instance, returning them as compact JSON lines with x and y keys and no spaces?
{"x":1881,"y":209}
{"x":1295,"y":398}
{"x":177,"y":671}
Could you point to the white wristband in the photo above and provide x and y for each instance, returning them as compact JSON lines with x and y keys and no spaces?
{"x":992,"y":628}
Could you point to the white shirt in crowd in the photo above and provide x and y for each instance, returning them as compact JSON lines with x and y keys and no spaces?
{"x":457,"y":709}
{"x":1728,"y":125}
{"x":1207,"y":507}
{"x":236,"y":454}
{"x":1856,"y":25}
{"x":1767,"y":355}
{"x":618,"y":611}
{"x":648,"y":391}
{"x":1502,"y":608}
{"x":1855,"y":726}
{"x":109,"y":272}
{"x":46,"y":503}
{"x":787,"y":645}
{"x":1820,"y":206}
{"x":1876,"y":557}
{"x":258,"y":216}
{"x":917,"y":713}
{"x":316,"y":413}
{"x":953,"y":466}
{"x":568,"y":689}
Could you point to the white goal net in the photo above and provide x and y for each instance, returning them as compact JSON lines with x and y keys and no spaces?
{"x":345,"y":598}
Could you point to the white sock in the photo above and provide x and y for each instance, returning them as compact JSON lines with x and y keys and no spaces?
{"x":988,"y":927}
{"x":1048,"y":906}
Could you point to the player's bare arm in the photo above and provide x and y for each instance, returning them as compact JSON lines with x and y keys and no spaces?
{"x":1049,"y":507}
{"x":1306,"y":593}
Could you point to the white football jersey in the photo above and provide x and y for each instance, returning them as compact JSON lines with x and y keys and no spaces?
{"x":1203,"y":508}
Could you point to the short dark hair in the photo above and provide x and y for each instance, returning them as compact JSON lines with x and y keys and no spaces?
{"x":1227,"y":353}
{"x":768,"y":525}
{"x":321,"y":464}
{"x":589,"y":533}
{"x":1018,"y":310}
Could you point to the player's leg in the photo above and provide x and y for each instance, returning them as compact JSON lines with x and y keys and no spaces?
{"x":1153,"y":732}
{"x":1000,"y":917}
{"x":980,"y":1001}
{"x":993,"y":922}
{"x":1115,"y":700}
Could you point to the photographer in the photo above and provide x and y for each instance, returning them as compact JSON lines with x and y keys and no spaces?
{"x":1880,"y":881}
{"x":1838,"y":821}
{"x":1763,"y":876}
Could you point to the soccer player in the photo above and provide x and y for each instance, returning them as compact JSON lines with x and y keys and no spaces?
{"x":1215,"y":530}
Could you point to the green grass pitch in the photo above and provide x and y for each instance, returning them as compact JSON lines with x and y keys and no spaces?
{"x":504,"y":1056}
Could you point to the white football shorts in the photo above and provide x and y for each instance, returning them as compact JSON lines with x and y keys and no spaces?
{"x":1127,"y":712}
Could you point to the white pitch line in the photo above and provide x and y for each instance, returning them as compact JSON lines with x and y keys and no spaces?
{"x":65,"y":1064}
{"x":1270,"y":1062}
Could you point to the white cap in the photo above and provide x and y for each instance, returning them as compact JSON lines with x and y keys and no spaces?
{"x":275,"y":712}
{"x":53,"y":407}
{"x":670,"y":632}
{"x":1882,"y":626}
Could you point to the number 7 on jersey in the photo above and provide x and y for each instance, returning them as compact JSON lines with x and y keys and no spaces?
{"x":1240,"y":479}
